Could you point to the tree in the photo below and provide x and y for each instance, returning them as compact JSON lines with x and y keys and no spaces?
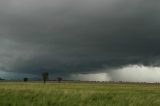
{"x":59,"y":79}
{"x":25,"y":79}
{"x":45,"y":76}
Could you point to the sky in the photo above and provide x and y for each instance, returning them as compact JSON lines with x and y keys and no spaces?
{"x":100,"y":40}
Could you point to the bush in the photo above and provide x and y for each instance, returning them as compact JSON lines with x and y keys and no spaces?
{"x":25,"y":79}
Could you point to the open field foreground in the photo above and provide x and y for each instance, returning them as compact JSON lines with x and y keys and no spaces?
{"x":78,"y":94}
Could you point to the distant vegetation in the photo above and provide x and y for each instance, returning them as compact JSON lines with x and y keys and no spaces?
{"x":45,"y":76}
{"x":59,"y":79}
{"x":25,"y":79}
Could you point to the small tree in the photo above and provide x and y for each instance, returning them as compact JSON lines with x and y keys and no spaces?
{"x":25,"y":79}
{"x":45,"y":76}
{"x":59,"y":79}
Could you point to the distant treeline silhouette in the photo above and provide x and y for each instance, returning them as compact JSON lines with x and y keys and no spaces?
{"x":45,"y":78}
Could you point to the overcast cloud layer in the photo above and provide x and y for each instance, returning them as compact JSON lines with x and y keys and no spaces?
{"x":67,"y":37}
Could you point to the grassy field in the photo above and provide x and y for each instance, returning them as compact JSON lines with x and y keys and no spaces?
{"x":78,"y":94}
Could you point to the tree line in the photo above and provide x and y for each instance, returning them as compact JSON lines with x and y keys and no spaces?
{"x":45,"y":76}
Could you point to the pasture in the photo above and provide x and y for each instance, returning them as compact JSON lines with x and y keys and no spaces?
{"x":78,"y":94}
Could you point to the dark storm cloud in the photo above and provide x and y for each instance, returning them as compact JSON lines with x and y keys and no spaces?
{"x":78,"y":36}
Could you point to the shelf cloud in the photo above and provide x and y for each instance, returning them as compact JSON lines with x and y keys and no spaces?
{"x":74,"y":37}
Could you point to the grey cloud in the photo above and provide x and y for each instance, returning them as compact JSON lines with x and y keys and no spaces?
{"x":77,"y":36}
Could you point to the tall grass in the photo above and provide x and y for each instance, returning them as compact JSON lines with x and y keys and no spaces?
{"x":78,"y":94}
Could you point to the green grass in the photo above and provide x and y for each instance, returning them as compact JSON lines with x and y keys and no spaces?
{"x":78,"y":94}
